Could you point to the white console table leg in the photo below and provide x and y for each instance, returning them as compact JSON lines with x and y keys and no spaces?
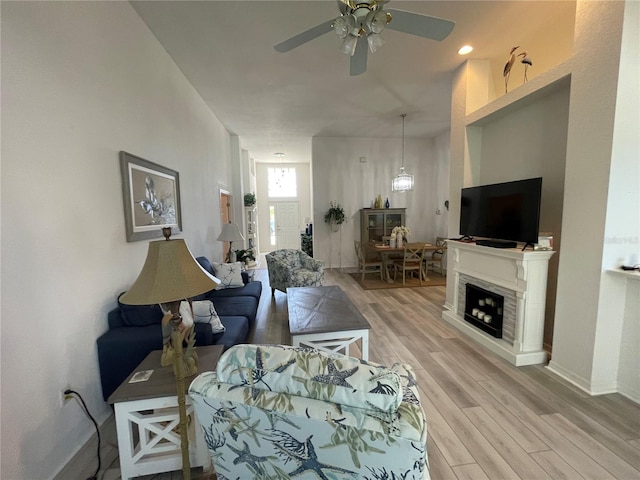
{"x":149,"y":440}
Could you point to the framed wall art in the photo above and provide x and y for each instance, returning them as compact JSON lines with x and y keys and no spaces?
{"x":151,"y":198}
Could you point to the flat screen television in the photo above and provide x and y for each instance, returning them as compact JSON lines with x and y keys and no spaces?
{"x":502,"y":211}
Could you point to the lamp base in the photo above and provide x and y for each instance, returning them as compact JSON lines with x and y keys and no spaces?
{"x":184,"y":363}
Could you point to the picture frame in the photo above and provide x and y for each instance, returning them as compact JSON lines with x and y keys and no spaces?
{"x":151,"y":195}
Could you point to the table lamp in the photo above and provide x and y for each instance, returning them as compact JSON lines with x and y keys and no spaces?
{"x":230,"y":233}
{"x":170,"y":274}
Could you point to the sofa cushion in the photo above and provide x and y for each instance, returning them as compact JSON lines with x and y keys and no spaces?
{"x":139,"y":315}
{"x":206,"y":264}
{"x":310,"y":373}
{"x":229,"y":274}
{"x":236,"y":306}
{"x":236,"y":331}
{"x":251,"y":289}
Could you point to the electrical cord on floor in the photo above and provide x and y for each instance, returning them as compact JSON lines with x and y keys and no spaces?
{"x":95,"y":424}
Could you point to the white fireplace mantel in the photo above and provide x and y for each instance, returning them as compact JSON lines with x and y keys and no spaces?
{"x":524,"y":273}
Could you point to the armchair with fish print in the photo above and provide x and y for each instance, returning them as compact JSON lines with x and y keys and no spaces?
{"x":279,"y":412}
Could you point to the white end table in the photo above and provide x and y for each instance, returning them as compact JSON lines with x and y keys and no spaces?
{"x":147,"y":420}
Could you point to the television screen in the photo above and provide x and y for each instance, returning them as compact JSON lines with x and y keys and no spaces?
{"x":502,"y":211}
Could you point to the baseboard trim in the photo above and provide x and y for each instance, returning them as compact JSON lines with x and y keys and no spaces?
{"x":585,"y":385}
{"x":84,"y":462}
{"x":632,"y":394}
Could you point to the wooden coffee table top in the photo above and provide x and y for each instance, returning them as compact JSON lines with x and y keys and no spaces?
{"x":321,"y":310}
{"x":162,"y":382}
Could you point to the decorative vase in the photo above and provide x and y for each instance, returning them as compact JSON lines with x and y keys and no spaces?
{"x":386,"y":204}
{"x":399,"y":241}
{"x":392,"y":240}
{"x":379,"y":201}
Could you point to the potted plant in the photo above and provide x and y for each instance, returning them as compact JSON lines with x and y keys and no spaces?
{"x":245,"y":256}
{"x":335,"y":216}
{"x":249,"y":199}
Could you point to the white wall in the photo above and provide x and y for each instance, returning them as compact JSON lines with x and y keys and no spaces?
{"x":588,"y":318}
{"x":622,"y":225}
{"x":80,"y":82}
{"x":629,"y":361}
{"x":547,"y":48}
{"x":339,"y":175}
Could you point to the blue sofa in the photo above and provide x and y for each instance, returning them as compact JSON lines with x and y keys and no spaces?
{"x":135,"y":331}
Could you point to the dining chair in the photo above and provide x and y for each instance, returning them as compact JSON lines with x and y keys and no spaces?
{"x":435,"y":261}
{"x":367,"y":263}
{"x":412,"y":260}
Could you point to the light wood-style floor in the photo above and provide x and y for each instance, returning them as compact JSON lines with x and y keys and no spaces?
{"x":486,"y":418}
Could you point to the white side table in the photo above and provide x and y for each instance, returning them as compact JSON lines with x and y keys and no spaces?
{"x":147,"y":420}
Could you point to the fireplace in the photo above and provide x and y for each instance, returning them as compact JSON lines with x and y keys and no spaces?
{"x":520,"y":277}
{"x":484,"y":309}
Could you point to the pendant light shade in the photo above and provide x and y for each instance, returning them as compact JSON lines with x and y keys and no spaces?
{"x":403,"y":182}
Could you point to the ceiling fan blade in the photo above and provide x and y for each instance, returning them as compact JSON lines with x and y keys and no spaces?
{"x":342,"y":6}
{"x":425,"y":26}
{"x":358,"y":63}
{"x":304,"y":37}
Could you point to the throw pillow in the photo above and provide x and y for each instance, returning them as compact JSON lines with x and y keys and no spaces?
{"x":229,"y":274}
{"x":323,"y":376}
{"x":204,"y":312}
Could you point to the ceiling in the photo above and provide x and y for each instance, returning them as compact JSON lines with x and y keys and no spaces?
{"x":275,"y":102}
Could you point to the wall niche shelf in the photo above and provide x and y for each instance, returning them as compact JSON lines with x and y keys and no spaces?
{"x":544,"y":84}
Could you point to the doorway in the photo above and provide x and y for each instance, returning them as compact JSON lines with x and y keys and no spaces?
{"x":284,"y":225}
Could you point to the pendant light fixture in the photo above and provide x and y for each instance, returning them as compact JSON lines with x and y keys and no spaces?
{"x":403,"y":182}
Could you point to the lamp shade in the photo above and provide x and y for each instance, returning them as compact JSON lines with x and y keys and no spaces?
{"x":170,"y":273}
{"x":230,"y":233}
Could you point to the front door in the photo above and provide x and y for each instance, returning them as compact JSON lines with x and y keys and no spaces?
{"x":287,"y":228}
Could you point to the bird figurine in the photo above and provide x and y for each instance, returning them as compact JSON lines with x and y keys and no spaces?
{"x":507,"y":67}
{"x":527,"y":62}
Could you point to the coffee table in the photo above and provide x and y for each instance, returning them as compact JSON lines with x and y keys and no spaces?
{"x":325,"y":318}
{"x":147,"y":419}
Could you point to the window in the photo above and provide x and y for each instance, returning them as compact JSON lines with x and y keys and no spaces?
{"x":272,"y":225}
{"x":282,"y":182}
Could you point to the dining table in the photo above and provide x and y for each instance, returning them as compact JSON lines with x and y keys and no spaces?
{"x":386,"y":251}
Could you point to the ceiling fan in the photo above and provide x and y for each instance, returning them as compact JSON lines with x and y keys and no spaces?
{"x":366,"y":19}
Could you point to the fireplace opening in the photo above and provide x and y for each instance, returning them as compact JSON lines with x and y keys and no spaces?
{"x":484,"y":309}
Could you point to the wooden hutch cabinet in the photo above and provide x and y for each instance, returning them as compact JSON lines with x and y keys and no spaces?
{"x":376,"y":223}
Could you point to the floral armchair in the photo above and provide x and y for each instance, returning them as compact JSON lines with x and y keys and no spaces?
{"x":293,"y":268}
{"x":277,"y":412}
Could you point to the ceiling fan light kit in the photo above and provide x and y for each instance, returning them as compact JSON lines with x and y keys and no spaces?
{"x":366,"y":19}
{"x":349,"y":45}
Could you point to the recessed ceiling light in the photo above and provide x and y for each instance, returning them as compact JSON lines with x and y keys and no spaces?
{"x":465,"y":50}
